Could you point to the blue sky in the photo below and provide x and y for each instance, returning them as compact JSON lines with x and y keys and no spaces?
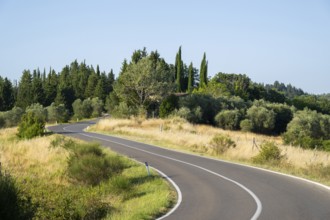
{"x":284,"y":40}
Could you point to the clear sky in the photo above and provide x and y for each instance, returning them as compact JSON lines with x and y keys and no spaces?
{"x":284,"y":40}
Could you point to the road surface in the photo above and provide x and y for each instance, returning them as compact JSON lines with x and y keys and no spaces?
{"x":215,"y":189}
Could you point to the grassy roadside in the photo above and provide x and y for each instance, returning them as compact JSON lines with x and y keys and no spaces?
{"x":177,"y":134}
{"x":40,"y":169}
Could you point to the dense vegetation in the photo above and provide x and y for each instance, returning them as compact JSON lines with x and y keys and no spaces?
{"x":58,"y":178}
{"x":148,"y":86}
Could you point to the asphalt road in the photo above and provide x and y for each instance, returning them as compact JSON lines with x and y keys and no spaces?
{"x":215,"y":189}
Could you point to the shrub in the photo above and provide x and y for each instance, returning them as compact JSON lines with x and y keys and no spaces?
{"x":13,"y":205}
{"x":193,"y":116}
{"x":221,"y":144}
{"x":307,"y":129}
{"x":168,"y":105}
{"x":262,"y":119}
{"x":89,"y":165}
{"x":31,"y":126}
{"x":57,"y":113}
{"x":229,"y":119}
{"x":269,"y":152}
{"x":77,"y":108}
{"x":123,"y":111}
{"x":203,"y":106}
{"x":326,"y":145}
{"x":246,"y":125}
{"x":97,"y":105}
{"x":12,"y":117}
{"x":38,"y":110}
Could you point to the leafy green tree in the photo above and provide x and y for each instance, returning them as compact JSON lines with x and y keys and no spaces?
{"x":203,"y":72}
{"x":143,"y":83}
{"x":31,"y":126}
{"x":24,"y":93}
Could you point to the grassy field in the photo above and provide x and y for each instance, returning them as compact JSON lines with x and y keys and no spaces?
{"x":177,"y":134}
{"x":40,"y":169}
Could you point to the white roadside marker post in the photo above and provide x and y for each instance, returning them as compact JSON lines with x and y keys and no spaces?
{"x":147,"y":167}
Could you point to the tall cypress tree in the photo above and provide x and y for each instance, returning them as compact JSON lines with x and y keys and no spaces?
{"x":203,"y":72}
{"x":179,"y":70}
{"x":190,"y":78}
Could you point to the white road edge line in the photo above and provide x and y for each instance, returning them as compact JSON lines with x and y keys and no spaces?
{"x":256,"y":199}
{"x":178,"y":203}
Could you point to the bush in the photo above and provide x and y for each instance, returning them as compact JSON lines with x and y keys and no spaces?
{"x":31,"y":126}
{"x":168,"y":105}
{"x":57,"y":113}
{"x":97,"y":105}
{"x":12,"y":117}
{"x":246,"y":125}
{"x":221,"y":144}
{"x":269,"y":152}
{"x":307,"y":129}
{"x":326,"y":145}
{"x":262,"y":119}
{"x":123,"y":111}
{"x":229,"y":119}
{"x":13,"y":205}
{"x":38,"y":110}
{"x":204,"y":107}
{"x":89,"y":165}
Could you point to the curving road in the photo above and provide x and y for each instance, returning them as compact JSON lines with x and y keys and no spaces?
{"x":215,"y":189}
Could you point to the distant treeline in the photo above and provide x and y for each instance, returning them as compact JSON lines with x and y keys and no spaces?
{"x":149,"y":86}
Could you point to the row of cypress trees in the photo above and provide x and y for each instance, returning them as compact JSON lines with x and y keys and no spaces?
{"x":186,"y":78}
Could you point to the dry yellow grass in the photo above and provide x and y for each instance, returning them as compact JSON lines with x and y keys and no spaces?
{"x":32,"y":156}
{"x":178,"y":134}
